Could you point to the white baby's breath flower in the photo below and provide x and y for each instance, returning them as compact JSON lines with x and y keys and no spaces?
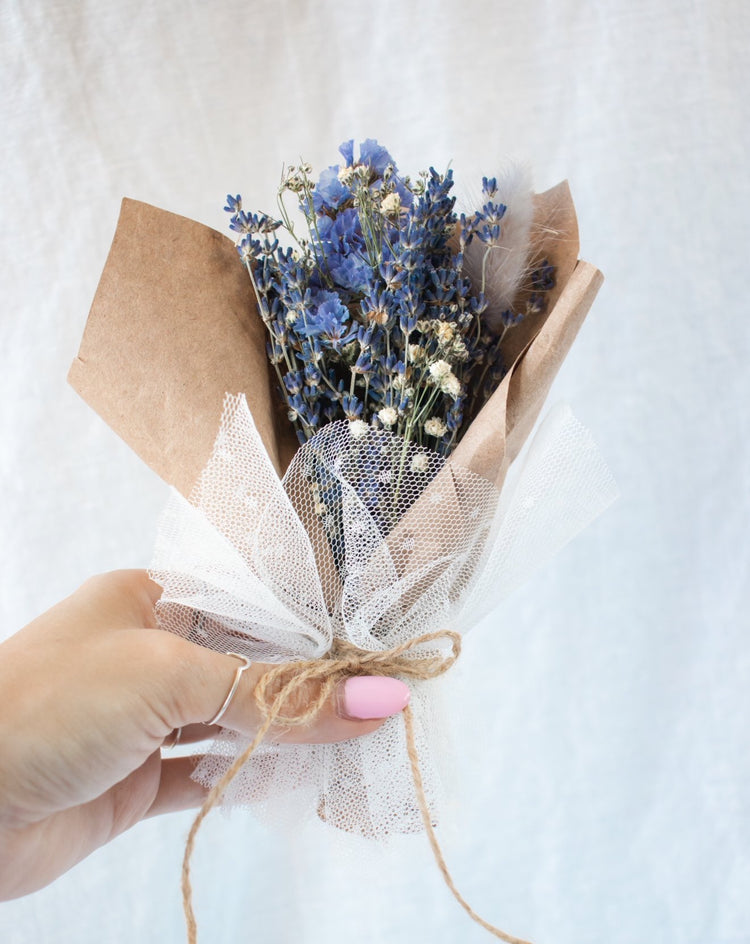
{"x":452,"y":386}
{"x":439,"y":370}
{"x":391,"y":205}
{"x":346,"y":175}
{"x":420,"y":462}
{"x":442,"y":373}
{"x":434,"y":426}
{"x":388,"y":416}
{"x":358,"y":429}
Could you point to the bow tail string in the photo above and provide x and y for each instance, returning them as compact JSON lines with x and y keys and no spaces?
{"x":435,"y":845}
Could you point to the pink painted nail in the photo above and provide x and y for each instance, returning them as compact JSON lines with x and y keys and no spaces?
{"x":372,"y":696}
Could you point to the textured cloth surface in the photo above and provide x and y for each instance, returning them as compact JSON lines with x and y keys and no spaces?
{"x":602,"y":796}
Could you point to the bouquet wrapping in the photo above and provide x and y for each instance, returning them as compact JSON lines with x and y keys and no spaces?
{"x":254,"y":554}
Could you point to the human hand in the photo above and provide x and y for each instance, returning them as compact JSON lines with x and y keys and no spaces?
{"x":91,"y":691}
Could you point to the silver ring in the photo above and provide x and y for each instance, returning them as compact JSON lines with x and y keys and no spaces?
{"x":174,"y":739}
{"x":246,"y":663}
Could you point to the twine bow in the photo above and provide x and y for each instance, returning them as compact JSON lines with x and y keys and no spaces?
{"x":275,"y":695}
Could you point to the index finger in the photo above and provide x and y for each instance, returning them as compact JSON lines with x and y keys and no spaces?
{"x":202,"y":680}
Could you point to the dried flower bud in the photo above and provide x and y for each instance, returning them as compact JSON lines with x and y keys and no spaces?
{"x":445,"y":332}
{"x":378,"y":315}
{"x":391,"y":205}
{"x":388,"y":416}
{"x":416,"y":353}
{"x":434,"y":426}
{"x":452,"y":386}
{"x":358,"y":429}
{"x":439,"y":370}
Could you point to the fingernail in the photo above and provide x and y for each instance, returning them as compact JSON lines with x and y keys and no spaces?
{"x":372,"y":696}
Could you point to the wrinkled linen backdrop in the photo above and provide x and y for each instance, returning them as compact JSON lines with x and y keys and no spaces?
{"x":601,"y":714}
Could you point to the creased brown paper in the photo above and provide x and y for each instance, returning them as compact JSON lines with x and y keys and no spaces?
{"x":173,"y":328}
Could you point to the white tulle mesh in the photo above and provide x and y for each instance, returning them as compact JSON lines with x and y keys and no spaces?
{"x":367,"y":540}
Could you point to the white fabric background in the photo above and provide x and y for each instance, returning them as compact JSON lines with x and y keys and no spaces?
{"x":603,"y":754}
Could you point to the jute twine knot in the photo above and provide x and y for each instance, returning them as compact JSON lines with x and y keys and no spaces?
{"x":275,"y":694}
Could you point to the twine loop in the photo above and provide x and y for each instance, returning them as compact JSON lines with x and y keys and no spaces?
{"x":276,"y":690}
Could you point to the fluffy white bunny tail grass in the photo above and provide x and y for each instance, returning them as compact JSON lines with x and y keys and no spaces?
{"x":502,"y":264}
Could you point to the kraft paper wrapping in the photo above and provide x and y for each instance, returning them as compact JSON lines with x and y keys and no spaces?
{"x":174,"y":327}
{"x":536,"y":347}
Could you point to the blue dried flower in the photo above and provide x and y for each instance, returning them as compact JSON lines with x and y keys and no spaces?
{"x":350,"y":271}
{"x":352,"y":406}
{"x":543,"y":277}
{"x":293,"y":382}
{"x":346,"y":150}
{"x":329,"y":192}
{"x":328,"y":321}
{"x":374,"y":155}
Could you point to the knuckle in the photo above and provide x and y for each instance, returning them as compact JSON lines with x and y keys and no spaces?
{"x":118,"y":580}
{"x":127,"y":591}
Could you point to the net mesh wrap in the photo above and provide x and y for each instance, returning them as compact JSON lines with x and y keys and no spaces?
{"x":372,"y":541}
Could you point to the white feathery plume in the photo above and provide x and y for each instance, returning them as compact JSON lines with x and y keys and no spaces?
{"x":507,"y":258}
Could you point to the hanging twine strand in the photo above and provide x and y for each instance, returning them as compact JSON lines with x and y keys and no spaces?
{"x":275,"y":695}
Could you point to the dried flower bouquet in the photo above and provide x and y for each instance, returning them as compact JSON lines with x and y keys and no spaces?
{"x":384,"y":370}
